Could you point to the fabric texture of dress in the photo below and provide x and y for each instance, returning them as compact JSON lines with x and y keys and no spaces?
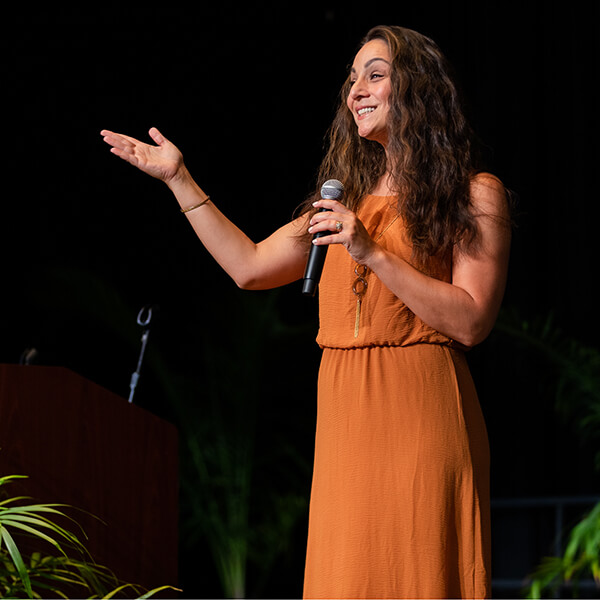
{"x":400,"y":494}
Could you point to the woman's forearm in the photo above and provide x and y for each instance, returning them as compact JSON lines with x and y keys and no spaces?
{"x":228,"y":245}
{"x":444,"y":307}
{"x":275,"y":261}
{"x":465,"y":308}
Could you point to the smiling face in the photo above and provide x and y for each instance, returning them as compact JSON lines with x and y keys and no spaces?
{"x":369,"y":95}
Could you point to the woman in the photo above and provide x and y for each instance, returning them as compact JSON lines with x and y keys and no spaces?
{"x":415,"y":274}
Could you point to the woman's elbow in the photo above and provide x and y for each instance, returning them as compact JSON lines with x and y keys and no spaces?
{"x":245,"y":278}
{"x":474,"y":333}
{"x":246,"y":283}
{"x":253,"y":283}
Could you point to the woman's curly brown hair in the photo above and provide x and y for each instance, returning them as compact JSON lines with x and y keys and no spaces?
{"x":430,"y":148}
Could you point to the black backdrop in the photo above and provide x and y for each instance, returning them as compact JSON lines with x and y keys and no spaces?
{"x":247,"y":92}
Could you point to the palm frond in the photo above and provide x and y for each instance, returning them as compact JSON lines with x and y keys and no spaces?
{"x":42,"y":576}
{"x":17,"y":559}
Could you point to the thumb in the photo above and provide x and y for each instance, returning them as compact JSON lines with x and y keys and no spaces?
{"x":157,"y":136}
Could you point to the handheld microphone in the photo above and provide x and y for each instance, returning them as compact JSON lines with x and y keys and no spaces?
{"x":330,"y":190}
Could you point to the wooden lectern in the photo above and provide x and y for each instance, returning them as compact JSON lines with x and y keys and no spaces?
{"x":85,"y":446}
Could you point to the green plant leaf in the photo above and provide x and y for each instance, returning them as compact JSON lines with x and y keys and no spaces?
{"x":8,"y":478}
{"x":158,"y":589}
{"x":16,"y":516}
{"x":40,"y":576}
{"x":17,"y":559}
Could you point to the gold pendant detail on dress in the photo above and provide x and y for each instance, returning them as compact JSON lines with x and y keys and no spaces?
{"x":359,"y":287}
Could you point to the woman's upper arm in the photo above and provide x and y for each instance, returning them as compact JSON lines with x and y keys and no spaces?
{"x":280,"y":258}
{"x":481,"y":268}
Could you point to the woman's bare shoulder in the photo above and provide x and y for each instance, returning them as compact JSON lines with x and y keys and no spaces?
{"x":489,"y":195}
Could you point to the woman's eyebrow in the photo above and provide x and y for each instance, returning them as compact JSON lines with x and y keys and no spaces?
{"x":370,"y":62}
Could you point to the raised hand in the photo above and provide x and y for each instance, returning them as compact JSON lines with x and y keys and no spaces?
{"x":162,"y":161}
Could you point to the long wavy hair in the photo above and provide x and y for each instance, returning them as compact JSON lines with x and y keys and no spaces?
{"x":430,"y":147}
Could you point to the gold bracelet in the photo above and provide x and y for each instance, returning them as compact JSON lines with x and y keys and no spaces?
{"x":184,"y":210}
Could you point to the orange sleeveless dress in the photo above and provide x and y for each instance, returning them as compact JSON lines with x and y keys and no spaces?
{"x":400,"y":495}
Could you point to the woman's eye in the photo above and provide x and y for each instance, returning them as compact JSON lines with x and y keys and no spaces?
{"x":370,"y":77}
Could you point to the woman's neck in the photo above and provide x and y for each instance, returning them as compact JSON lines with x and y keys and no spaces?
{"x":384,"y":186}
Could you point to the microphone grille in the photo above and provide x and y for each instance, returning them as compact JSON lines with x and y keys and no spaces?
{"x":332,"y":189}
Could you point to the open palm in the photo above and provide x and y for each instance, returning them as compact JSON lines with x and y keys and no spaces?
{"x":161,"y":161}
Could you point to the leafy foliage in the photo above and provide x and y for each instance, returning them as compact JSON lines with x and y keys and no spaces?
{"x":580,"y":559}
{"x":576,"y":367}
{"x":244,"y":482}
{"x":44,"y":576}
{"x":224,"y":468}
{"x":577,"y":399}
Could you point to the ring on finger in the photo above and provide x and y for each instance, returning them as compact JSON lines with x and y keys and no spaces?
{"x":339,"y":226}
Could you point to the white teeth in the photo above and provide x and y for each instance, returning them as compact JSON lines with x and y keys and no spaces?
{"x":364,"y":111}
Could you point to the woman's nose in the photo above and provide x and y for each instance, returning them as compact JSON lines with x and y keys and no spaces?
{"x":358,"y":89}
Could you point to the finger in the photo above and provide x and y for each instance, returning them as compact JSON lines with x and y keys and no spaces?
{"x":326,"y":240}
{"x":157,"y":136}
{"x":121,"y":147}
{"x":108,"y":136}
{"x":111,"y":135}
{"x":330,"y":205}
{"x":327,"y":225}
{"x":126,"y":154}
{"x":326,"y":216}
{"x":118,"y":141}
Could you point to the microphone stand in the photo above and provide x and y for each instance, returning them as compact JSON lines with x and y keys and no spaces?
{"x":144,"y":321}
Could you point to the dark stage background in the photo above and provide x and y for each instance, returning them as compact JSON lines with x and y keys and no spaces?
{"x":247,"y":91}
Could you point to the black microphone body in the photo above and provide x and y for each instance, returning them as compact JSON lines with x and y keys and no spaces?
{"x":331,"y":190}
